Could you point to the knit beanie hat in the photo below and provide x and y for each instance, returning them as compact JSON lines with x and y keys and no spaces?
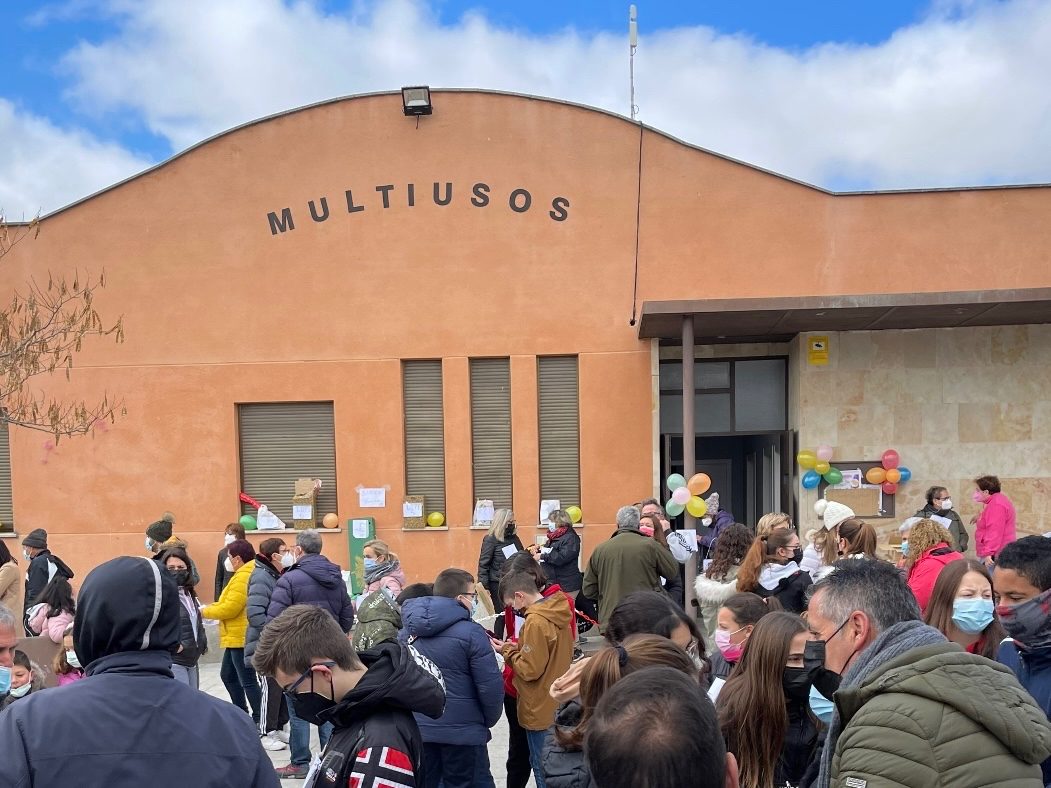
{"x":161,"y":531}
{"x":712,"y":502}
{"x":37,"y":538}
{"x":833,"y":513}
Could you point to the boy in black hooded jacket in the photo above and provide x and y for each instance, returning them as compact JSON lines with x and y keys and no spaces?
{"x":369,"y":700}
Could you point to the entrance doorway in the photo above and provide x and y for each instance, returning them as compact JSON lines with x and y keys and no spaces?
{"x":742,"y":439}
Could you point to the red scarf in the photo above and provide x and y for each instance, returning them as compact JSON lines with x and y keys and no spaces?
{"x":560,"y":531}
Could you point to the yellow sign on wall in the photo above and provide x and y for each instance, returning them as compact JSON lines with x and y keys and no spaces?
{"x":818,"y":351}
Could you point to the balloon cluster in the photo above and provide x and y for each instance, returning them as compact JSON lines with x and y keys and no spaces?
{"x":891,"y":474}
{"x":817,"y":465}
{"x":686,"y":495}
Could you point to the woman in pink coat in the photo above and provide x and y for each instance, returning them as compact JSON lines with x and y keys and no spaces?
{"x":54,"y":609}
{"x":996,"y":523}
{"x":927,"y":554}
{"x":382,"y":568}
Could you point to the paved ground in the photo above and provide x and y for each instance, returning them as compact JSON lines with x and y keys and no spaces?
{"x":211,"y":684}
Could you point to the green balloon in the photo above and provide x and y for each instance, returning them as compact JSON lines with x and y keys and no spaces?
{"x":674,"y":509}
{"x":834,"y":476}
{"x":675,"y":481}
{"x":248,"y":522}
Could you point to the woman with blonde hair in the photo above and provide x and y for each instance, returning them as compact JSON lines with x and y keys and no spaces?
{"x":929,"y":551}
{"x":769,"y":522}
{"x":560,"y":555}
{"x":382,"y":568}
{"x":500,"y":544}
{"x":823,"y":548}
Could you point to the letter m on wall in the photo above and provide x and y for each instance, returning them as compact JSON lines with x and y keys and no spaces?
{"x":282,"y":223}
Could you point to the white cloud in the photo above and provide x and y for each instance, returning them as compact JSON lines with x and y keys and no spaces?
{"x":43,"y":167}
{"x":959,"y":98}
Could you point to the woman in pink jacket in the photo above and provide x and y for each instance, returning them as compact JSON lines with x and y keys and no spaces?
{"x":54,"y":609}
{"x":996,"y":523}
{"x":382,"y":569}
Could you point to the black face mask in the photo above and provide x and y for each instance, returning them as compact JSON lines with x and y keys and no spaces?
{"x":796,"y":683}
{"x":309,"y":706}
{"x":797,"y":554}
{"x":509,"y":531}
{"x":824,"y":680}
{"x":181,"y":577}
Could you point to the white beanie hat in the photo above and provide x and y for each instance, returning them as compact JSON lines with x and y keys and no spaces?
{"x":833,"y":513}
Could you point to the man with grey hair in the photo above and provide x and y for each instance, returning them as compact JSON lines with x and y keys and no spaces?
{"x":627,"y":562}
{"x":911,"y":708}
{"x":8,"y":641}
{"x":311,"y":580}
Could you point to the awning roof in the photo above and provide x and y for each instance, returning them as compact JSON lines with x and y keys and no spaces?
{"x":780,"y":319}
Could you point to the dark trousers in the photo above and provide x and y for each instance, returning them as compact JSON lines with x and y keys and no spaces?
{"x":518,"y":766}
{"x":498,"y":625}
{"x":275,"y":712}
{"x":451,"y":765}
{"x":240,"y":682}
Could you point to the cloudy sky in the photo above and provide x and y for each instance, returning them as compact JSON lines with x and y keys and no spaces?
{"x":849,"y":95}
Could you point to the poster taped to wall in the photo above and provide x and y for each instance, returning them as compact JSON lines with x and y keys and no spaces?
{"x":546,"y":507}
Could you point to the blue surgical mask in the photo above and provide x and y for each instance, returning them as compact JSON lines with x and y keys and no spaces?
{"x":149,"y":543}
{"x":821,"y":706}
{"x":904,"y":546}
{"x":5,"y":680}
{"x":21,"y":692}
{"x":370,"y":564}
{"x":972,"y":615}
{"x":551,"y":527}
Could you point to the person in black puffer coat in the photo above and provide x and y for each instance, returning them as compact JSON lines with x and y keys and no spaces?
{"x":128,"y":722}
{"x":563,"y":755}
{"x":193,"y":640}
{"x":312,"y":580}
{"x":500,"y":544}
{"x":273,"y":558}
{"x":561,"y":555}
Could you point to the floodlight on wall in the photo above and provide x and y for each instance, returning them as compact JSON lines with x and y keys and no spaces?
{"x":416,"y":100}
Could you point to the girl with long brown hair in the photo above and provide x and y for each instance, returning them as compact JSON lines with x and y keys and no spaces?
{"x":563,"y":754}
{"x":771,"y":568}
{"x":857,"y":539}
{"x":719,"y":581}
{"x":961,"y":608}
{"x":764,"y":710}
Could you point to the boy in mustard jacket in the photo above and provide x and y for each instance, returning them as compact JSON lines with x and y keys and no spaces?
{"x":543,"y":652}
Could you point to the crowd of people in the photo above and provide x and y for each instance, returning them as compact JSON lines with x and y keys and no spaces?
{"x":817,"y":660}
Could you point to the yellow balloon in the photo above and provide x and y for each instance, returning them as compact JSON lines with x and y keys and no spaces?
{"x":807,"y":459}
{"x":435,"y":519}
{"x":574,"y":513}
{"x":696,"y":506}
{"x":822,"y":468}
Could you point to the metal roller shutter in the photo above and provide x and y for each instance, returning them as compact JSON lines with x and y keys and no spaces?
{"x":491,"y":429}
{"x":282,"y":442}
{"x":424,"y":433}
{"x":559,"y":429}
{"x":7,"y":517}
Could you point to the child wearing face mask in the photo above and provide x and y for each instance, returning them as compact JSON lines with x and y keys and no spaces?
{"x":771,"y":569}
{"x":66,"y":664}
{"x":736,"y":619}
{"x":961,"y":608}
{"x":26,"y":678}
{"x":233,"y":532}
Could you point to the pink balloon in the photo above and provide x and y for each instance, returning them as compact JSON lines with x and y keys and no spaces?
{"x":824,"y":452}
{"x":890,"y":460}
{"x":889,"y":488}
{"x":682,"y":496}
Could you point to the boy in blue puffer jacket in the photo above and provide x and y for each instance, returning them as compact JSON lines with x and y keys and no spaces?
{"x":440,"y":628}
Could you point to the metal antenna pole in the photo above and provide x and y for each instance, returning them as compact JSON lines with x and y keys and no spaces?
{"x":633,"y":44}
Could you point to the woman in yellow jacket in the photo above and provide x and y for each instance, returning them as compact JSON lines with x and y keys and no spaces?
{"x":231,"y":612}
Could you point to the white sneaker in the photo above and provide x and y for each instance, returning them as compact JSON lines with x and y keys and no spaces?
{"x":271,"y":742}
{"x":282,"y":735}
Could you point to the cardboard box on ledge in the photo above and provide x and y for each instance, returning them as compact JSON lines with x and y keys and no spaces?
{"x":304,"y":504}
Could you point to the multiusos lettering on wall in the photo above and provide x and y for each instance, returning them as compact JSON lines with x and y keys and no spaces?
{"x":518,"y":200}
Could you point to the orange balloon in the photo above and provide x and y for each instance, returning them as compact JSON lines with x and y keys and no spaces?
{"x":699,"y":483}
{"x":330,"y":520}
{"x":893,"y":476}
{"x":876,"y":476}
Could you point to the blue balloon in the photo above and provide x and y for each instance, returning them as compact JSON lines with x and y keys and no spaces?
{"x":906,"y":474}
{"x":811,"y":479}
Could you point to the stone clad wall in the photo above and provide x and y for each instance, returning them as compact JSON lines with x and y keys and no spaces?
{"x":956,"y":404}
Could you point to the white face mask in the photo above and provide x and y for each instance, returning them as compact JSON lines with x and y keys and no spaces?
{"x":706,"y":521}
{"x":20,"y":692}
{"x":287,"y":559}
{"x":229,"y":539}
{"x":149,"y":544}
{"x":73,"y":659}
{"x":228,"y":564}
{"x":946,"y":505}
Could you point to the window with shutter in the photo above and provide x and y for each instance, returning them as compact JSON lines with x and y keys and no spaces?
{"x":424,"y":433}
{"x":559,"y":429}
{"x":282,"y":442}
{"x":491,"y":429}
{"x":7,"y":517}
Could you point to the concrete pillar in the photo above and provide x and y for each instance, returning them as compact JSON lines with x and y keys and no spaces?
{"x":689,"y":460}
